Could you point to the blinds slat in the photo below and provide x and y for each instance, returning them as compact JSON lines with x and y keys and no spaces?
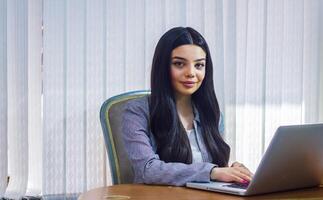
{"x":54,"y":119}
{"x":3,"y":98}
{"x":34,"y":98}
{"x":17,"y":47}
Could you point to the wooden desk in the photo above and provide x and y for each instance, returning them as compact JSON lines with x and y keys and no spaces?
{"x":150,"y":192}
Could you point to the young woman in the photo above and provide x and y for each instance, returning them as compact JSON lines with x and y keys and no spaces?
{"x":173,"y":136}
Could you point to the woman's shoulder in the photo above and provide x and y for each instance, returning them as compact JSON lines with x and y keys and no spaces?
{"x":138,"y":105}
{"x":136,"y":114}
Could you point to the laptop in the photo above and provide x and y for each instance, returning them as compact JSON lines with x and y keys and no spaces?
{"x":293,"y":160}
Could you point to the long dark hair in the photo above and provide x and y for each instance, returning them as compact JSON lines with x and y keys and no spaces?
{"x":171,"y":139}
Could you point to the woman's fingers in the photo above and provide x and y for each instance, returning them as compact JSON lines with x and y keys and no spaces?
{"x":237,"y":178}
{"x":243,"y":168}
{"x":230,"y":174}
{"x":241,"y":174}
{"x":245,"y":171}
{"x":238,"y":173}
{"x":237,"y":164}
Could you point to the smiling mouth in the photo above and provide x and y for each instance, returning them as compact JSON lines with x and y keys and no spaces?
{"x":188,"y":84}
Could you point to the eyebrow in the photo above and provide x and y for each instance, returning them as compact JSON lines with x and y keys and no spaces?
{"x":180,"y":58}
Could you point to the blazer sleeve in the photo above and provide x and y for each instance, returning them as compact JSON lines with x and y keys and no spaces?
{"x":146,"y":163}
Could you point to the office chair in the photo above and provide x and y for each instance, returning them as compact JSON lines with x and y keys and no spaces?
{"x":111,"y":122}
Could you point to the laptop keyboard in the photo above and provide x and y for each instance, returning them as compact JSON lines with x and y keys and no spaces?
{"x":237,"y":185}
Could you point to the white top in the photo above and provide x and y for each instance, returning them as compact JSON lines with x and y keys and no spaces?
{"x":196,"y":152}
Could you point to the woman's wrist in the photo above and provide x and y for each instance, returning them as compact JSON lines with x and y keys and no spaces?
{"x":212,"y":173}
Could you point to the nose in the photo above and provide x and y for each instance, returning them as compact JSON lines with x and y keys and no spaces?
{"x":190,"y":72}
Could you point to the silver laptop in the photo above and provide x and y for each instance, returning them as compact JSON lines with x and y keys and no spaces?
{"x":293,"y":160}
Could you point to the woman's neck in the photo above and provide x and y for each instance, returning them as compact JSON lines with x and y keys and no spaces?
{"x":185,"y":111}
{"x":183,"y":102}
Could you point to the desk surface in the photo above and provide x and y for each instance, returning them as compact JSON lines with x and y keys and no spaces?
{"x":150,"y":192}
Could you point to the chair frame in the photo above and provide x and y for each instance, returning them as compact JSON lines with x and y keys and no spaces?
{"x":107,"y":132}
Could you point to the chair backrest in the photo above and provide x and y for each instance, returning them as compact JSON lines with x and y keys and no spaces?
{"x":111,"y":122}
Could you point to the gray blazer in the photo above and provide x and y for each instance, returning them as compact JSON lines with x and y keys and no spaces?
{"x":141,"y":147}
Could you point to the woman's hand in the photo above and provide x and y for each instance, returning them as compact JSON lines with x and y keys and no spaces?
{"x":236,"y":173}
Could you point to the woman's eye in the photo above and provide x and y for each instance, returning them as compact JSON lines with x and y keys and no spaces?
{"x":199,"y":65}
{"x":178,"y":64}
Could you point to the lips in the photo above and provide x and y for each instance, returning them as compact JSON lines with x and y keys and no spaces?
{"x":188,"y":84}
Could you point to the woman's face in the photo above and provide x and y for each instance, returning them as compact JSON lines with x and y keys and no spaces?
{"x":187,"y":69}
